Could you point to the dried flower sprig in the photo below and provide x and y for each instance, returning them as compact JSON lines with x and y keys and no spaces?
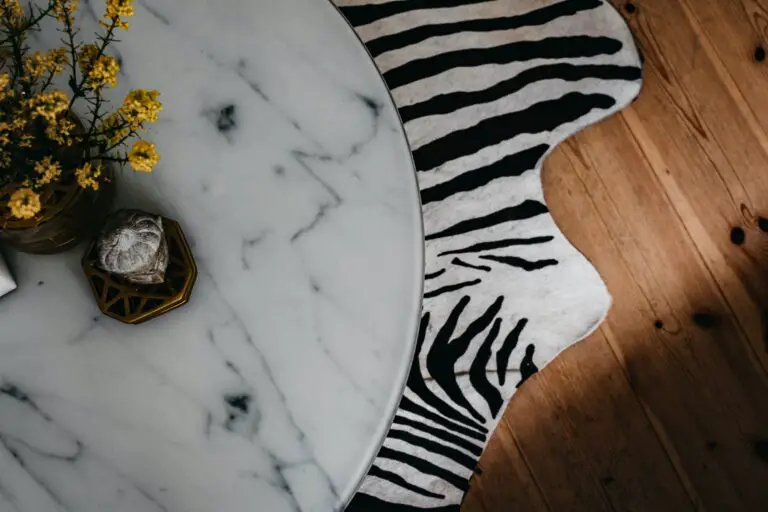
{"x":39,"y":132}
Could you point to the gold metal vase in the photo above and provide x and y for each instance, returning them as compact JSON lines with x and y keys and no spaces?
{"x":70,"y":215}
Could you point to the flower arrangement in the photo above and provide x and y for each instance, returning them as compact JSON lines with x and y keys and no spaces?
{"x":42,"y":140}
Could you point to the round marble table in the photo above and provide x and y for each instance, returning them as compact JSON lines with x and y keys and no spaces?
{"x":285,"y":162}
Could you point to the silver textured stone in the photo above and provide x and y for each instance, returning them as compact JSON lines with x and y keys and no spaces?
{"x":132,"y":245}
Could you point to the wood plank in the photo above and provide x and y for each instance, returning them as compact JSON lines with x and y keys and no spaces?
{"x":731,"y":33}
{"x":503,"y":480}
{"x":700,"y":145}
{"x":700,"y":386}
{"x":541,"y":432}
{"x":579,"y":424}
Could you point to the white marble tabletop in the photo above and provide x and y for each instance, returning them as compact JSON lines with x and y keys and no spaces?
{"x":284,"y":160}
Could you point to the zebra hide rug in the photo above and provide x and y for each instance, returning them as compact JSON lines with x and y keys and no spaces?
{"x":486,"y":89}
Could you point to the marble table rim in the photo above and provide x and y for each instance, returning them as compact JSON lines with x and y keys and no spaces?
{"x":403,"y":377}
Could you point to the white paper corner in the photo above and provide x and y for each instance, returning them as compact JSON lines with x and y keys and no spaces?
{"x":7,"y":284}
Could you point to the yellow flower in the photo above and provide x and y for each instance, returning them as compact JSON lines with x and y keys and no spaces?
{"x":116,"y":9}
{"x":26,"y":140}
{"x":19,"y":123}
{"x":143,"y":156}
{"x":35,"y":66}
{"x":103,"y":72}
{"x":57,"y":58}
{"x":87,"y":52}
{"x":61,"y":131}
{"x":40,"y":63}
{"x":47,"y":170}
{"x":86,"y":56}
{"x":88,"y":176}
{"x":141,"y":106}
{"x":49,"y":105}
{"x":5,"y":134}
{"x":63,"y":10}
{"x":24,"y":203}
{"x":12,"y":10}
{"x":5,"y":79}
{"x":113,"y":130}
{"x":119,"y":8}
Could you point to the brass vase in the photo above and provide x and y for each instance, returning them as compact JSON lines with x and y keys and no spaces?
{"x":70,"y":215}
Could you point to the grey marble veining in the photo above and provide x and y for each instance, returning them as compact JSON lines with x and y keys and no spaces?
{"x":284,"y":161}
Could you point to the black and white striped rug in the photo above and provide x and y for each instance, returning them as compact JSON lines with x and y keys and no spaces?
{"x":486,"y":89}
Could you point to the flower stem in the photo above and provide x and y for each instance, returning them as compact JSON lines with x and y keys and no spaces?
{"x":79,"y":91}
{"x":16,"y":51}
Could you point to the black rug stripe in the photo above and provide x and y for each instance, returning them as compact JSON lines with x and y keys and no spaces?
{"x":527,"y":367}
{"x":522,"y":263}
{"x":425,"y":467}
{"x":499,"y":244}
{"x":451,"y":102}
{"x":409,"y":405}
{"x":363,"y":14}
{"x":434,"y":447}
{"x":401,"y":482}
{"x":440,"y":434}
{"x":510,"y":343}
{"x":478,"y":374}
{"x":419,"y":387}
{"x":525,"y":210}
{"x":367,"y":503}
{"x":434,"y":275}
{"x":460,"y":263}
{"x":447,"y":349}
{"x":540,"y":117}
{"x":533,"y":18}
{"x":507,"y":167}
{"x":451,"y":288}
{"x":549,"y":48}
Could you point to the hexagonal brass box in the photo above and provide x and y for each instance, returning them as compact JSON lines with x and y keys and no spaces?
{"x":134,"y":304}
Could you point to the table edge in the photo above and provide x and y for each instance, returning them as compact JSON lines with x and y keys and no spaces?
{"x":348,"y":493}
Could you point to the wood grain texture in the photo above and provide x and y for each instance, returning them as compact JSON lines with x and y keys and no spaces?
{"x":666,"y":406}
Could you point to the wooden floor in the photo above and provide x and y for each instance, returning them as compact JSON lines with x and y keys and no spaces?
{"x":665,"y":408}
